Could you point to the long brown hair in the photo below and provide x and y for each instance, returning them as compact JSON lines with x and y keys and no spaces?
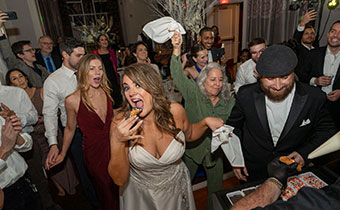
{"x":83,"y":85}
{"x":150,"y":81}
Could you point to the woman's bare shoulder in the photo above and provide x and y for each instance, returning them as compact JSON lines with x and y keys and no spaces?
{"x":73,"y":100}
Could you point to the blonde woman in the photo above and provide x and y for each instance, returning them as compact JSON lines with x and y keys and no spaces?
{"x":90,"y":107}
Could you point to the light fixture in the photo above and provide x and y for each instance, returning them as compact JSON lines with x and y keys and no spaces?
{"x":332,"y":4}
{"x":224,"y":1}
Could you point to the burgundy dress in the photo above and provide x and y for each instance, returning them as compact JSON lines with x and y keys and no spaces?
{"x":96,"y":153}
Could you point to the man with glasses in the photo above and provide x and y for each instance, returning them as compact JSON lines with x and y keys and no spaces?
{"x":246,"y":74}
{"x":45,"y":57}
{"x":22,"y":56}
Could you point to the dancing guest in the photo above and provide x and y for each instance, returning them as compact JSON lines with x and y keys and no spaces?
{"x":208,"y":96}
{"x":63,"y":177}
{"x":90,"y":107}
{"x":109,"y":59}
{"x":146,"y":150}
{"x":199,"y":56}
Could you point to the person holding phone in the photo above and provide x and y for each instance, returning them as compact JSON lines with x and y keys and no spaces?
{"x":21,"y":55}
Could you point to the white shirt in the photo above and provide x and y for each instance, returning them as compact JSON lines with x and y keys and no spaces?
{"x":277,"y":114}
{"x":14,"y":166}
{"x":330,"y":68}
{"x":17,"y":100}
{"x":210,"y":57}
{"x":57,"y":87}
{"x":245,"y":74}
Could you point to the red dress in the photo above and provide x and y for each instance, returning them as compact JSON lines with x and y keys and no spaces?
{"x":96,"y":153}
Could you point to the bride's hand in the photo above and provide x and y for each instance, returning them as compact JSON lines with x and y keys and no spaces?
{"x":123,"y":131}
{"x":214,"y":123}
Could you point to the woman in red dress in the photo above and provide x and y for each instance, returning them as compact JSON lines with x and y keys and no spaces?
{"x":90,"y":106}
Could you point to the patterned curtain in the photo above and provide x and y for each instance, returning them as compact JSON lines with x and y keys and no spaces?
{"x":272,"y":20}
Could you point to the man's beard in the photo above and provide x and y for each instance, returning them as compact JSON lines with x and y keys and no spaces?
{"x":278,"y":97}
{"x":308,"y":42}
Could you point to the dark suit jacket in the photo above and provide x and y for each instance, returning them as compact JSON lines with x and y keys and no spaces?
{"x":249,"y":118}
{"x":216,"y":53}
{"x":302,"y":54}
{"x":55,"y":57}
{"x":315,"y":66}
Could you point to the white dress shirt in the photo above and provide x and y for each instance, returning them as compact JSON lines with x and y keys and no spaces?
{"x":277,"y":114}
{"x":245,"y":74}
{"x":17,"y":100}
{"x":210,"y":57}
{"x":57,"y":87}
{"x":14,"y":166}
{"x":330,"y":68}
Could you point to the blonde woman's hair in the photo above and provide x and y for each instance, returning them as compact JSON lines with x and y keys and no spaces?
{"x":83,"y":85}
{"x":150,"y":80}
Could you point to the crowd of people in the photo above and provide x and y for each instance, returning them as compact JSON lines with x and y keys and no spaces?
{"x":67,"y":115}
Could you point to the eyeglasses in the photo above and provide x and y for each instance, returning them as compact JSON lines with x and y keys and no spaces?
{"x":47,"y":43}
{"x":29,"y":50}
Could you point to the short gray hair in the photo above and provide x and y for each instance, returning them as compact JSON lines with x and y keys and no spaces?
{"x":225,"y":92}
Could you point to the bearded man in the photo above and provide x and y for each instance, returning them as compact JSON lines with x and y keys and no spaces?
{"x":278,"y":116}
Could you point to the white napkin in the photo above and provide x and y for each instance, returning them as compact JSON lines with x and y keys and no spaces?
{"x":230,"y":144}
{"x":162,"y":29}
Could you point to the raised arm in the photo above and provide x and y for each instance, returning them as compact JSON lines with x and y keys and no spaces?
{"x":71,"y":104}
{"x":308,"y":17}
{"x":184,"y":85}
{"x":194,"y":131}
{"x":121,"y":132}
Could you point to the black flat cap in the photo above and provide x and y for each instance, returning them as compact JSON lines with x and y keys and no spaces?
{"x":276,"y":61}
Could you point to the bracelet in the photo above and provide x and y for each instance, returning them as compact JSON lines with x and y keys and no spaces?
{"x":276,"y":182}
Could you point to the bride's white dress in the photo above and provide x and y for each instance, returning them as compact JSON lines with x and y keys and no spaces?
{"x":158,"y":184}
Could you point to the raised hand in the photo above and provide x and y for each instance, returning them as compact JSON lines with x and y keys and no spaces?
{"x":176,"y":41}
{"x":3,"y":18}
{"x":309,"y":16}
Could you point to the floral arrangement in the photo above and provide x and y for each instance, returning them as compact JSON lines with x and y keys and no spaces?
{"x":91,"y":33}
{"x":189,"y":13}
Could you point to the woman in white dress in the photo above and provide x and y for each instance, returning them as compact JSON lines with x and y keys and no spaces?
{"x":146,"y":150}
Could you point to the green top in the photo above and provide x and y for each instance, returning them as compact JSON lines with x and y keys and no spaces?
{"x":197,"y":107}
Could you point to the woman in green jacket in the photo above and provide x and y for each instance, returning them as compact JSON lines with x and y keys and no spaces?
{"x":208,"y":96}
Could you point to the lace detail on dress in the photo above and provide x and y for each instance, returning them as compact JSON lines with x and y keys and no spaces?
{"x":172,"y":182}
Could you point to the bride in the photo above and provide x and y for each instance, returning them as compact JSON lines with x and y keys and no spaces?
{"x":146,"y":149}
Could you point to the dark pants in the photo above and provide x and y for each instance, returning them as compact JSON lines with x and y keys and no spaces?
{"x":77,"y":154}
{"x":35,"y":171}
{"x":22,"y":195}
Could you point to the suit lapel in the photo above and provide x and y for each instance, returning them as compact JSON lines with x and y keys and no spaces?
{"x":299,"y":101}
{"x":337,"y":77}
{"x":260,"y":105}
